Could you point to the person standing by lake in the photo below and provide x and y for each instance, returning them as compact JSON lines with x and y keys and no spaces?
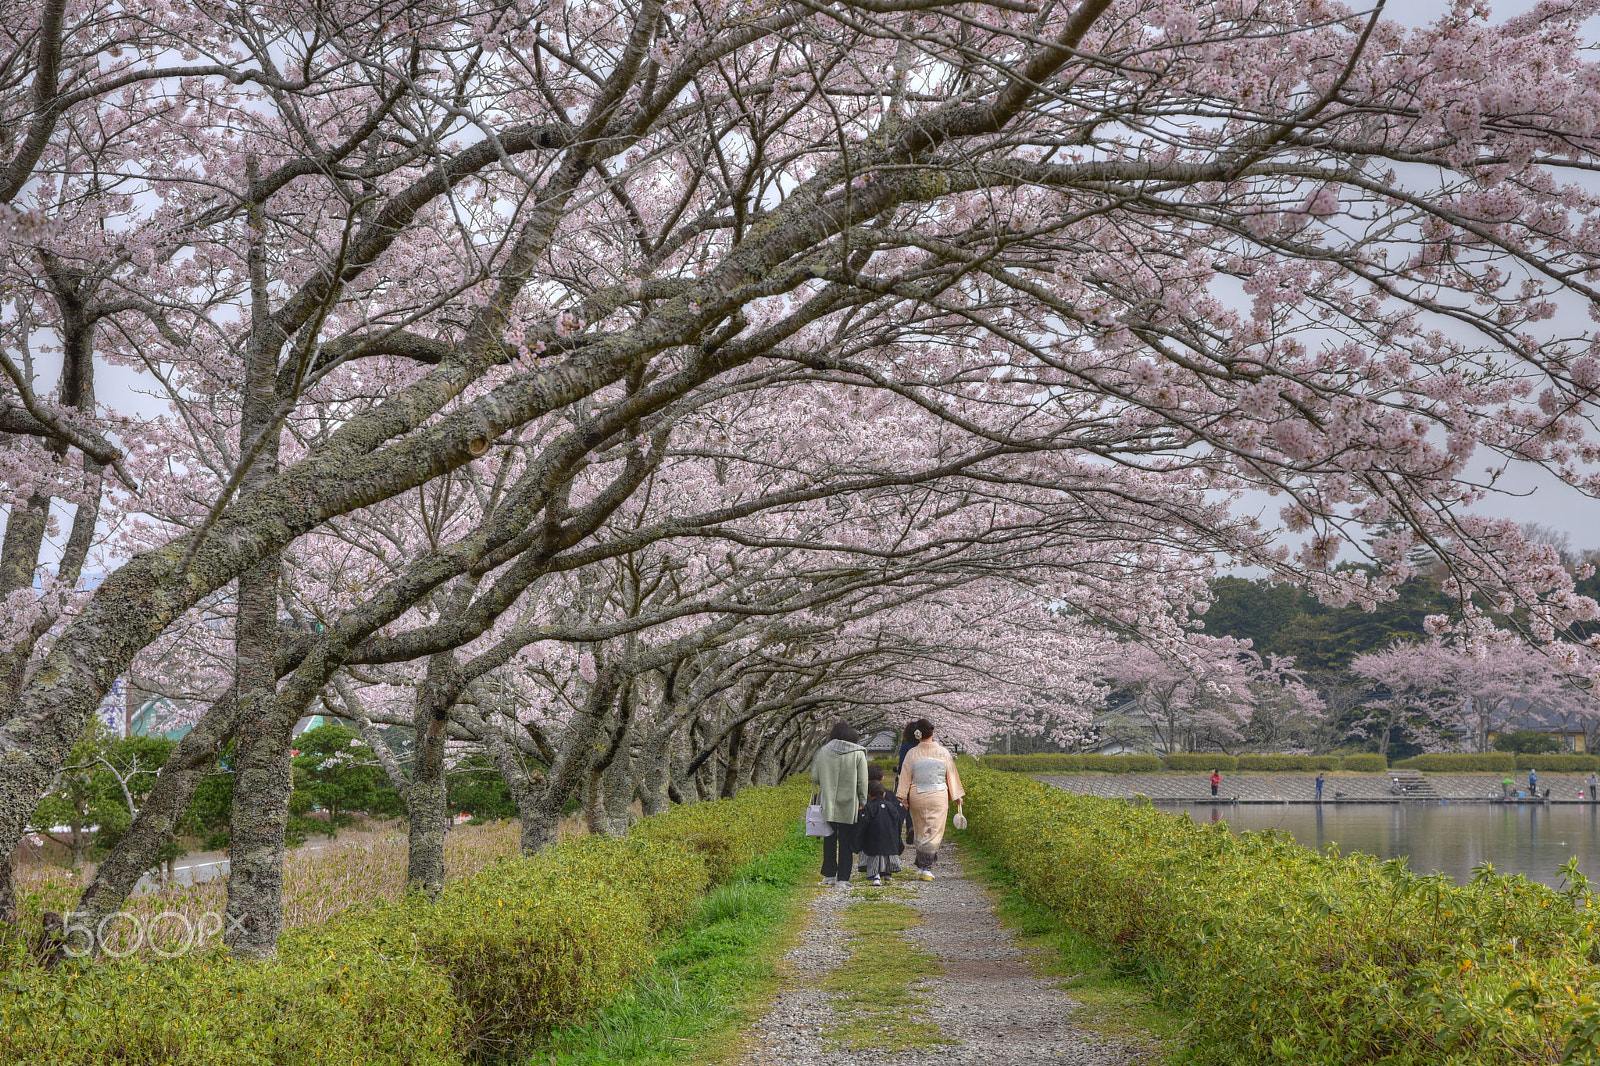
{"x":1533,"y":782}
{"x":1319,"y":786}
{"x":1594,"y":787}
{"x":839,"y":776}
{"x":928,"y":784}
{"x":1216,"y":781}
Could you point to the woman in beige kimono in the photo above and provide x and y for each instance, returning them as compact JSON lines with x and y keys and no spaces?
{"x":928,"y":785}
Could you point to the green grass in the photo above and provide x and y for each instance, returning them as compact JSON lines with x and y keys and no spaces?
{"x":1114,"y":1003}
{"x":878,"y":1010}
{"x":709,"y":981}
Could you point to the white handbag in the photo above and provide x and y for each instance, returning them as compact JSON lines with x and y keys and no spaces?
{"x":816,"y":824}
{"x":960,"y":820}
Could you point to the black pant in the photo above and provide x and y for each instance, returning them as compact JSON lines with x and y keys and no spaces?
{"x":1213,"y":790}
{"x":836,"y":848}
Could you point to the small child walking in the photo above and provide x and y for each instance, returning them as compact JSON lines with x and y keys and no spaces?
{"x":874,"y":776}
{"x":881,"y":830}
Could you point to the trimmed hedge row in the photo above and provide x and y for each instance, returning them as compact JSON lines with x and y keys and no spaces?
{"x":1559,"y":762}
{"x":1497,"y":761}
{"x":1283,"y":954}
{"x":1072,"y":764}
{"x":1197,"y":763}
{"x":1201,"y":763}
{"x":1280,"y":763}
{"x":479,"y":974}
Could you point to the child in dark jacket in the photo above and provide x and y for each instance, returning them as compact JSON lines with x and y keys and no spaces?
{"x":880,"y":832}
{"x":874,"y":774}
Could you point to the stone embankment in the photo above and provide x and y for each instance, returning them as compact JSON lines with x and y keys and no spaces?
{"x":1301,"y":787}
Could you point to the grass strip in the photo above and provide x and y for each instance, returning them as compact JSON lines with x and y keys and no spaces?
{"x":711,"y":979}
{"x":877,"y":1007}
{"x":1114,"y":1001}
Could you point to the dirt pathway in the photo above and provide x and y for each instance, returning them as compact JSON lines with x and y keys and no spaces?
{"x":987,"y":1007}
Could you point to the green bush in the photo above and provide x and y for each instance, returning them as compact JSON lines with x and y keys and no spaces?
{"x":1201,"y":763}
{"x":1371,"y":763}
{"x":1122,"y":764}
{"x":1033,"y":764}
{"x":323,"y":1000}
{"x":479,"y":974}
{"x":1284,"y":954}
{"x":1283,"y":763}
{"x":730,"y":833}
{"x":1498,"y":762}
{"x":1071,"y":764}
{"x":1564,"y":763}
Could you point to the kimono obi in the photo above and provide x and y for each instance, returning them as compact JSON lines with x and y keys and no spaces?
{"x":927,"y":774}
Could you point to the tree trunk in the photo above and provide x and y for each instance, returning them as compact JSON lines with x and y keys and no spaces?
{"x":654,"y":777}
{"x":619,"y":788}
{"x":8,"y":891}
{"x":427,"y":800}
{"x":263,"y":779}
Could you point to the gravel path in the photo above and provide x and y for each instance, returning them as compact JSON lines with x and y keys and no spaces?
{"x":987,"y":1002}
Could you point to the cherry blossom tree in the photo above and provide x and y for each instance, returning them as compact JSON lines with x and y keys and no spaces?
{"x":1115,"y":261}
{"x":1448,"y":695}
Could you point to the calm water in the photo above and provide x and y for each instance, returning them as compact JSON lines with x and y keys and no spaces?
{"x":1530,"y":839}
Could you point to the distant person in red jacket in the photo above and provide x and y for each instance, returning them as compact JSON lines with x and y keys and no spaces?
{"x":1216,"y":782}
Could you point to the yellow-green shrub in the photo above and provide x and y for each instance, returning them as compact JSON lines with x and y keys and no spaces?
{"x":324,"y":1000}
{"x":1034,"y":764}
{"x":480,"y":973}
{"x":1500,"y":762}
{"x":1558,"y":762}
{"x":1288,"y":955}
{"x":1284,"y":763}
{"x":1368,"y":763}
{"x":1072,"y":764}
{"x":729,"y":833}
{"x":1200,"y":763}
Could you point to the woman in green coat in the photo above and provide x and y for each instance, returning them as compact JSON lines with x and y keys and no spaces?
{"x":839,"y":775}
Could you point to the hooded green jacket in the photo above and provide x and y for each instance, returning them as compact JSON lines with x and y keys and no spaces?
{"x":839,"y":774}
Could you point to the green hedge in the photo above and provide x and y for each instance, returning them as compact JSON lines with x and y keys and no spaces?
{"x":1200,"y":763}
{"x":325,"y":1000}
{"x":479,"y":974}
{"x":1498,"y":761}
{"x":1187,"y":762}
{"x":1286,"y":763}
{"x":1072,"y":764}
{"x":1559,"y":763}
{"x":1284,"y":954}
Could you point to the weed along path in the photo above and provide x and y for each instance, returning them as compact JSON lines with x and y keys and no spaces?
{"x":921,"y":973}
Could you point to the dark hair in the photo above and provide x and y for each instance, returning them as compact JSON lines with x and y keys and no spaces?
{"x":921,"y":729}
{"x":875,"y":789}
{"x":874,"y":773}
{"x":905,"y":734}
{"x":841,"y":731}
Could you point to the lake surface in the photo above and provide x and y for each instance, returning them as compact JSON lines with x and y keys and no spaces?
{"x":1529,"y":839}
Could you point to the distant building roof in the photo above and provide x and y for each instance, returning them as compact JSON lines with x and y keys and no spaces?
{"x":885,"y":741}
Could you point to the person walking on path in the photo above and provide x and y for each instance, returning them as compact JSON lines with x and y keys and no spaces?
{"x":1319,"y":786}
{"x":882,"y":828}
{"x":839,"y":776}
{"x":1216,"y":782}
{"x":907,"y":742}
{"x":928,"y":784}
